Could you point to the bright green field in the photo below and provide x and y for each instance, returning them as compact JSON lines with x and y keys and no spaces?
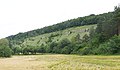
{"x":60,"y":62}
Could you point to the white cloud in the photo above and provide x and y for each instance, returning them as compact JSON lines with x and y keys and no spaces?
{"x":24,"y":15}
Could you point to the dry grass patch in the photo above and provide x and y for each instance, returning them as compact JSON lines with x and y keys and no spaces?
{"x":60,"y":62}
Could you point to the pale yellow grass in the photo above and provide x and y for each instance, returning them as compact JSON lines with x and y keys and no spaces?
{"x":60,"y":62}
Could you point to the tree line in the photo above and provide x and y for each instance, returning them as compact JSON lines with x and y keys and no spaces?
{"x":80,"y":21}
{"x":104,"y":40}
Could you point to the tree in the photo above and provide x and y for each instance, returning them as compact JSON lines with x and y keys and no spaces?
{"x":51,"y":46}
{"x":117,"y":19}
{"x":41,"y":49}
{"x":5,"y":51}
{"x":64,"y":42}
{"x":92,"y":32}
{"x":77,"y":39}
{"x":66,"y":50}
{"x":17,"y":50}
{"x":26,"y":50}
{"x":85,"y":38}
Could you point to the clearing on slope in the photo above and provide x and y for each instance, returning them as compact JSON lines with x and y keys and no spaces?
{"x":57,"y":36}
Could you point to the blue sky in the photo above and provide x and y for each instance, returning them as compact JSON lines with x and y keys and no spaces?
{"x":25,"y":15}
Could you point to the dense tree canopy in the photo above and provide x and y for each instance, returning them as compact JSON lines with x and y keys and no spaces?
{"x":5,"y":51}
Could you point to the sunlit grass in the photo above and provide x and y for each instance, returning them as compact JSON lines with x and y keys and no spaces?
{"x":60,"y":62}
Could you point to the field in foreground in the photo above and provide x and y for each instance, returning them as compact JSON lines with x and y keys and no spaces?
{"x":60,"y":62}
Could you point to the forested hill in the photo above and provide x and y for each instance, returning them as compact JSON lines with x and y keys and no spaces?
{"x":80,"y":21}
{"x":93,"y":34}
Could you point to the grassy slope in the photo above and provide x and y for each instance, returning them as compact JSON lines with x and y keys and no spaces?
{"x":60,"y":62}
{"x":42,"y":39}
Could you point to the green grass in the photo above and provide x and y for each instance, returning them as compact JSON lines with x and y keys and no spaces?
{"x":42,"y":39}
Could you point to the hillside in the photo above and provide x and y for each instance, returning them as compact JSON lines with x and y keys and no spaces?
{"x":57,"y":36}
{"x":44,"y":42}
{"x":66,"y":37}
{"x":80,"y":21}
{"x":93,"y":34}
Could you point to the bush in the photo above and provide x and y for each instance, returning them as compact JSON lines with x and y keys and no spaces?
{"x":5,"y":51}
{"x":67,"y":49}
{"x":112,"y":46}
{"x":84,"y":51}
{"x":104,"y":49}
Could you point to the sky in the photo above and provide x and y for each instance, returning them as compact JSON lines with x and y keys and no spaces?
{"x":25,"y":15}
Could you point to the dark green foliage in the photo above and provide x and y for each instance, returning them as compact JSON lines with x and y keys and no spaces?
{"x":64,"y":46}
{"x":17,"y":50}
{"x":67,"y":49}
{"x":26,"y":50}
{"x":85,"y":38}
{"x":30,"y":49}
{"x":56,"y":49}
{"x":77,"y":39}
{"x":117,"y":14}
{"x":85,"y":51}
{"x":102,"y":40}
{"x":106,"y":29}
{"x":112,"y":46}
{"x":41,"y":49}
{"x":49,"y":39}
{"x":5,"y":51}
{"x":51,"y":47}
{"x":63,"y":43}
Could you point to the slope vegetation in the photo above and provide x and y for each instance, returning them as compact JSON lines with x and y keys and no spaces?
{"x":57,"y":36}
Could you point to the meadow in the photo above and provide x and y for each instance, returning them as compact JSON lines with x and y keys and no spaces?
{"x":60,"y":62}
